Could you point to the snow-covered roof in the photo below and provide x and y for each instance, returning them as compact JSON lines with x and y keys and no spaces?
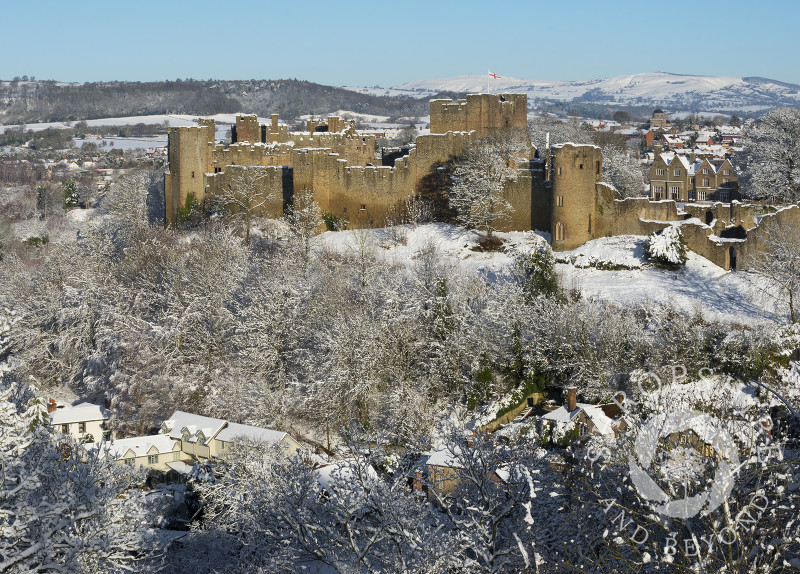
{"x":80,"y":413}
{"x":444,"y":457}
{"x":602,"y":423}
{"x":179,"y":466}
{"x":193,"y":423}
{"x":340,"y":471}
{"x":234,"y":430}
{"x":141,"y":445}
{"x":562,"y":415}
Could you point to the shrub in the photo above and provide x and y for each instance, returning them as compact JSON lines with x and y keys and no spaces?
{"x":538,"y":272}
{"x":667,"y":247}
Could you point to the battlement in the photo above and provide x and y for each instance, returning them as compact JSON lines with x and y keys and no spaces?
{"x":482,"y":113}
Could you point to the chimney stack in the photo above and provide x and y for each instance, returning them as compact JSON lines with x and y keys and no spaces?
{"x":51,"y":406}
{"x":274,"y":122}
{"x":572,"y":399}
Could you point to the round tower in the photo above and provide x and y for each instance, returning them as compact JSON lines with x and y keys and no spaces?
{"x":575,"y":168}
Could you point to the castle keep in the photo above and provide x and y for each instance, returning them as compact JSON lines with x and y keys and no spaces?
{"x":559,"y":191}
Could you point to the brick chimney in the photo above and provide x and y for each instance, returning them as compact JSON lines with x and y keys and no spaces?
{"x":51,"y":406}
{"x":572,"y":399}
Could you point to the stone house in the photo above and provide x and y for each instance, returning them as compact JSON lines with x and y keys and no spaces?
{"x":676,"y":177}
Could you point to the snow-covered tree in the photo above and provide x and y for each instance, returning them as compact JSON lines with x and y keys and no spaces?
{"x":667,"y":246}
{"x":623,"y":170}
{"x":573,"y":130}
{"x":771,"y":157}
{"x":480,"y":174}
{"x":344,"y":515}
{"x":777,"y":265}
{"x":305,"y":218}
{"x":63,"y":509}
{"x":245,"y":195}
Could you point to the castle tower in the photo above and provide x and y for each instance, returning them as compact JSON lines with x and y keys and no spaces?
{"x":189,"y":155}
{"x":575,"y":171}
{"x":247,"y":128}
{"x":483,"y":113}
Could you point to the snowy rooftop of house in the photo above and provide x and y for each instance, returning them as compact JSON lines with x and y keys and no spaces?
{"x":444,"y":457}
{"x":234,"y":430}
{"x":141,"y":445}
{"x":594,"y":413}
{"x":342,"y":472}
{"x":194,"y":424}
{"x":79,"y":413}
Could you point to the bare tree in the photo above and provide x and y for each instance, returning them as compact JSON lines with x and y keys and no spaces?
{"x":305,"y":217}
{"x":777,"y":264}
{"x":245,"y":195}
{"x":479,"y":178}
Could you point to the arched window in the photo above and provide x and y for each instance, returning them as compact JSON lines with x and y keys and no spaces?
{"x":559,"y":231}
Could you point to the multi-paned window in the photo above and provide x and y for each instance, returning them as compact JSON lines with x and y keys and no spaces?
{"x":660,"y":171}
{"x":674,"y":192}
{"x":152,"y":459}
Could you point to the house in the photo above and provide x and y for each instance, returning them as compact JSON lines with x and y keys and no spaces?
{"x":85,"y":421}
{"x":157,"y":452}
{"x":203,"y":438}
{"x":590,"y":419}
{"x":676,"y":177}
{"x":445,"y":470}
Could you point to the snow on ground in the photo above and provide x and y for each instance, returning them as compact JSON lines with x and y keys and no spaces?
{"x":452,"y":243}
{"x":612,"y":268}
{"x":699,"y":286}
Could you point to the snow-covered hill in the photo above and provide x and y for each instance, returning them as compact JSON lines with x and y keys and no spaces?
{"x":658,"y":89}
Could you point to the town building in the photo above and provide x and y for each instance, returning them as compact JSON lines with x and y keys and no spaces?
{"x":86,"y":422}
{"x":680,"y":178}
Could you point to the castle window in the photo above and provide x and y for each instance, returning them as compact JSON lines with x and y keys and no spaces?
{"x":597,"y":168}
{"x":344,"y":209}
{"x":559,"y":201}
{"x":580,"y":166}
{"x":192,"y":175}
{"x":363,"y":207}
{"x":559,"y":171}
{"x":559,"y":231}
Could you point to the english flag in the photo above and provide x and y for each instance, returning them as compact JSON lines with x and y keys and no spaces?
{"x":495,"y":76}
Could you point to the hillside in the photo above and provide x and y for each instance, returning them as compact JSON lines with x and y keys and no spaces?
{"x":675,"y":92}
{"x":49,"y":101}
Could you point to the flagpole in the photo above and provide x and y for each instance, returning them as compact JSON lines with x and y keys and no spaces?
{"x":488,"y":79}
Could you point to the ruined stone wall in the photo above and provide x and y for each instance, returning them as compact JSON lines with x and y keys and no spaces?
{"x":189,"y":155}
{"x":482,"y":113}
{"x":780,"y":220}
{"x":266,"y":189}
{"x":361,"y":195}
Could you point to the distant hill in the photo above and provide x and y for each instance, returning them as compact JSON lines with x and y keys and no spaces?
{"x":48,"y":101}
{"x":673,"y":92}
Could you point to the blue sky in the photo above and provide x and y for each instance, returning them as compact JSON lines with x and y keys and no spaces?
{"x":388,"y":43}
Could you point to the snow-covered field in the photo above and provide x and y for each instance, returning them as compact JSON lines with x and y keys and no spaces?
{"x":623,"y":275}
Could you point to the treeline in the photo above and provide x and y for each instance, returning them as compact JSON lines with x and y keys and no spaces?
{"x":51,"y":101}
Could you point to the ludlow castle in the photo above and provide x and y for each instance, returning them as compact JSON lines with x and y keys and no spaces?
{"x":559,"y":191}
